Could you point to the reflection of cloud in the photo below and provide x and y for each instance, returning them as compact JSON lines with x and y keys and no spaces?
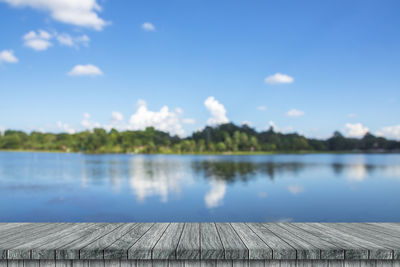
{"x":216,"y":194}
{"x":356,"y":172}
{"x":155,"y":177}
{"x":262,"y":194}
{"x":295,"y":189}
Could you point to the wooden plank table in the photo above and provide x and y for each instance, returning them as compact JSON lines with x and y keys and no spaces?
{"x":199,"y":244}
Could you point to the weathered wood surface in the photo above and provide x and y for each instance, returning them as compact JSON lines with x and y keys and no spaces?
{"x":212,"y":243}
{"x":199,"y":263}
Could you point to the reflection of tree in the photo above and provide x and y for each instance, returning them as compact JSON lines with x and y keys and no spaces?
{"x":232,"y":171}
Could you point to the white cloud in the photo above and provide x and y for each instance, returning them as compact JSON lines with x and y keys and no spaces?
{"x":391,"y":132}
{"x":65,"y":127}
{"x":189,"y":121}
{"x":214,"y":197}
{"x":85,"y":70}
{"x":355,"y":130}
{"x":116,"y":116}
{"x":278,"y":78}
{"x":217,"y":110}
{"x":295,"y":189}
{"x":248,"y":123}
{"x":295,"y":113}
{"x":163,"y":120}
{"x":148,"y":27}
{"x":262,"y":108}
{"x":73,"y":41}
{"x":7,"y":56}
{"x":89,"y":124}
{"x":38,"y":41}
{"x":82,"y":13}
{"x":278,"y":129}
{"x":352,"y":115}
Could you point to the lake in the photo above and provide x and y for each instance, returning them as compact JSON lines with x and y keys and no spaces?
{"x":52,"y":187}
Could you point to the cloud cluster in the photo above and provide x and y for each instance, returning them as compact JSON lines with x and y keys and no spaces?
{"x":217,"y":110}
{"x":85,"y":70}
{"x":38,"y":41}
{"x":295,"y":189}
{"x":73,"y":41}
{"x":295,"y":113}
{"x":355,"y":130}
{"x":82,"y":13}
{"x":392,"y":132}
{"x":278,"y":78}
{"x":7,"y":56}
{"x":164,"y":119}
{"x":148,"y":27}
{"x":41,"y":40}
{"x":64,"y":127}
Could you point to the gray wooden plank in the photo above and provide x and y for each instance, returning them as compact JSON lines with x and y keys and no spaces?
{"x":80,"y":263}
{"x":335,"y":263}
{"x":22,"y":231}
{"x":305,"y":250}
{"x":47,"y":263}
{"x":192,"y":263}
{"x":18,"y":228}
{"x":280,"y":249}
{"x":272,"y":263}
{"x":174,"y":263}
{"x":256,"y":263}
{"x":189,"y":244}
{"x":48,"y":250}
{"x":168,"y":243}
{"x":305,"y":263}
{"x":208,"y":263}
{"x":384,"y":263}
{"x":31,"y":263}
{"x":17,"y":252}
{"x":379,"y":238}
{"x":210,"y":243}
{"x":71,"y":250}
{"x":119,"y":249}
{"x":95,"y":250}
{"x":234,"y":247}
{"x":352,"y":249}
{"x":161,"y":263}
{"x":64,"y":263}
{"x":144,"y":263}
{"x":127,"y":263}
{"x":327,"y":249}
{"x":142,"y":249}
{"x":28,"y":237}
{"x":240,"y":263}
{"x":368,"y":263}
{"x":15,"y":263}
{"x":3,"y":263}
{"x":375,"y":251}
{"x":224,"y":263}
{"x":380,"y":229}
{"x":257,"y":248}
{"x":288,"y":263}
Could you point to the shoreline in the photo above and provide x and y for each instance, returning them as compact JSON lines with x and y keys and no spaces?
{"x":241,"y":153}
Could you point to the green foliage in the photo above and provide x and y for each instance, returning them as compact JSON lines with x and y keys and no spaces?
{"x":225,"y":138}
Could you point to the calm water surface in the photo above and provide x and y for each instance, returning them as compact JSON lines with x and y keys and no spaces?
{"x":109,"y":188}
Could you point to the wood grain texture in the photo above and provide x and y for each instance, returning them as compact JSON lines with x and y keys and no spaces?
{"x":210,"y":242}
{"x":233,"y":246}
{"x":168,"y":243}
{"x":304,"y":249}
{"x":280,"y":249}
{"x":363,"y":244}
{"x":119,"y":249}
{"x":189,"y":244}
{"x":258,"y":249}
{"x":142,"y":249}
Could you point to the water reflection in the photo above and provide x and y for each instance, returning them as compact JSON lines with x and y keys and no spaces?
{"x":199,"y":188}
{"x":156,"y":177}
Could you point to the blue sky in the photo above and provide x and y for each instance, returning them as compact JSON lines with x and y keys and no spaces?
{"x":306,"y":66}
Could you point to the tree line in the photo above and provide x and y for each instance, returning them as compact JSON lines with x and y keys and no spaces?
{"x":224,"y":138}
